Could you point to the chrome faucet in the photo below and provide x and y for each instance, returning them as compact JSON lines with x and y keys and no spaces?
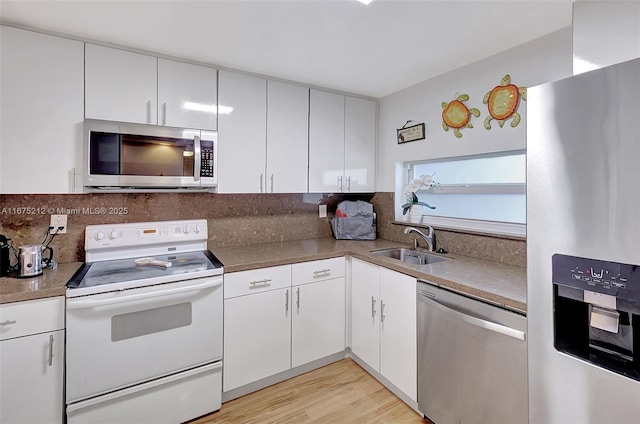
{"x":430,"y":237}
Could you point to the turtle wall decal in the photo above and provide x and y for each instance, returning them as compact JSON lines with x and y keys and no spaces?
{"x":502,"y":102}
{"x":456,"y":115}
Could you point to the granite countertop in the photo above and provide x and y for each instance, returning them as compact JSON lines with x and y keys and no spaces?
{"x":51,"y":283}
{"x":499,"y":284}
{"x":496,"y":283}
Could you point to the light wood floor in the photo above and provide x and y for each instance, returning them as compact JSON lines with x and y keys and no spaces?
{"x":338,"y":393}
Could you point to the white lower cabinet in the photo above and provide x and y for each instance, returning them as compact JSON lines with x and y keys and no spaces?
{"x":318,"y":323}
{"x":257,"y":325}
{"x":32,"y":361}
{"x":257,"y":337}
{"x":383,"y":323}
{"x":271,"y":326}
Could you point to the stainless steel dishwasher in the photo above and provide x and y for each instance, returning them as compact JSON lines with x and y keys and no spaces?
{"x":472,"y":360}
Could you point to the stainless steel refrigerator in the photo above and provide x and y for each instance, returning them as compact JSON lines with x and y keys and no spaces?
{"x":583,"y":247}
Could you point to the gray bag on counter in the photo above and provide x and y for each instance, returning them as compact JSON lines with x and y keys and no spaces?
{"x":354,"y":221}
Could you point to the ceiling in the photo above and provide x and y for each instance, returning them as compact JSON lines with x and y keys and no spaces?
{"x":342,"y":45}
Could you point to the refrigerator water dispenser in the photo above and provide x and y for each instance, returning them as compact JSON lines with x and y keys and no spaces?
{"x":597,"y":312}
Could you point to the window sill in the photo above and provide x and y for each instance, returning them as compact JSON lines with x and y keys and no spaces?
{"x":488,"y":228}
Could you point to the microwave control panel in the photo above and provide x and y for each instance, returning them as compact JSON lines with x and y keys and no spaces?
{"x":206,"y":161}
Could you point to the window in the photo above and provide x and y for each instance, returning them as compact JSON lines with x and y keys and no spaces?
{"x":484,"y":193}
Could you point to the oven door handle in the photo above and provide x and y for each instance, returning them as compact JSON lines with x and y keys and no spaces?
{"x":92,"y":303}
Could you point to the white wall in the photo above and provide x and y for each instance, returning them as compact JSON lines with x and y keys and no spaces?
{"x":605,"y":33}
{"x":543,"y":60}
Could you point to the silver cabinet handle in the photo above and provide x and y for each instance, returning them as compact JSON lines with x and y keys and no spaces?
{"x":50,"y":349}
{"x":373,"y":307}
{"x":321,"y":273}
{"x":263,"y":283}
{"x":339,"y":183}
{"x":164,"y":113}
{"x":298,"y":298}
{"x":286,"y":301}
{"x":261,"y":190}
{"x":382,"y":315}
{"x":7,"y":322}
{"x":148,"y":111}
{"x":478,"y":322}
{"x":271,"y":183}
{"x":348,"y":184}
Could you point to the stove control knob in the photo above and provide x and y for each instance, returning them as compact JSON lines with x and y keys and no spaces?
{"x":113,"y":235}
{"x":186,"y":229}
{"x":197,"y":228}
{"x":99,"y":235}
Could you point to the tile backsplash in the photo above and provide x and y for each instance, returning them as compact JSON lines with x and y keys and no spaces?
{"x":233,"y":220}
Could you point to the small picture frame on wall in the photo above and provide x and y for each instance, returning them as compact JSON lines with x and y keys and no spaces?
{"x":412,"y":133}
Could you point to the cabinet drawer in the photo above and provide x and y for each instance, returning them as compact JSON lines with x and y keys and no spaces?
{"x":256,"y":281}
{"x":31,"y":317}
{"x":309,"y":272}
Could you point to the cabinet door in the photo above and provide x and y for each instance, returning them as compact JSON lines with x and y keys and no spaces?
{"x":41,"y":79}
{"x":257,"y":337}
{"x":318,"y":324}
{"x":31,"y":371}
{"x":365,"y":312}
{"x":287,"y":138}
{"x":120,"y":85}
{"x":398,"y":341}
{"x":187,"y":95}
{"x":359,"y":145}
{"x":242,"y":146}
{"x":326,"y":142}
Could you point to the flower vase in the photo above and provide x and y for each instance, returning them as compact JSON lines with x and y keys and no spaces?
{"x":415,"y":214}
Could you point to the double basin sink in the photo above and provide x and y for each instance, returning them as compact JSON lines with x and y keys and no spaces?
{"x":409,"y":256}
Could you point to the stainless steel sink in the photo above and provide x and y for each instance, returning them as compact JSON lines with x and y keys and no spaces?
{"x":410,"y":256}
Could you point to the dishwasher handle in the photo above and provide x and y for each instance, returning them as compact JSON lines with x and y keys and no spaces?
{"x":478,"y":322}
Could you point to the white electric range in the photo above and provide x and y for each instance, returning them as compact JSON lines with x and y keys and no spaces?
{"x":144,"y":325}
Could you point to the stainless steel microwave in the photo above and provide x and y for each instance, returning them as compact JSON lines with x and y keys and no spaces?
{"x":129,"y":157}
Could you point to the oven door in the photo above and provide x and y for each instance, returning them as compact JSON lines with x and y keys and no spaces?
{"x":118,"y":339}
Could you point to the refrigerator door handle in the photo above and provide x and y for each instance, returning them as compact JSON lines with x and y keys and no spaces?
{"x":478,"y":322}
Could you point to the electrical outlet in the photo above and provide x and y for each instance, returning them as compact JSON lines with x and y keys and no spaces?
{"x":322,"y":211}
{"x":58,"y":221}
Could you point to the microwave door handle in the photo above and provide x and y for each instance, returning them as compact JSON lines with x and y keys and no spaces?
{"x":197,"y":159}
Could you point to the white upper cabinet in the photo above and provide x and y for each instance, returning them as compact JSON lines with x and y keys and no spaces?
{"x":242,"y":146}
{"x":120,"y":85}
{"x":359,"y":145}
{"x":132,"y":87}
{"x":326,"y":142}
{"x":262,"y":133}
{"x":41,"y":80}
{"x":187,"y":95}
{"x":342,"y":135}
{"x":287,"y":138}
